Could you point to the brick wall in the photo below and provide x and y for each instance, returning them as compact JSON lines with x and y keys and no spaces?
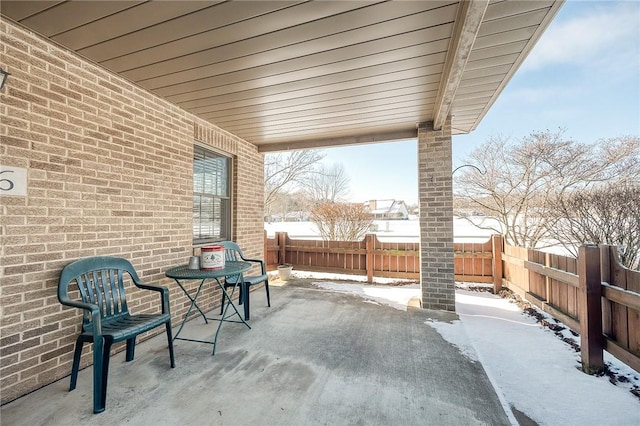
{"x":436,"y":217}
{"x":109,"y":173}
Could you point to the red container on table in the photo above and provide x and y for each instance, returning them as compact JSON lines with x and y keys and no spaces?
{"x":212,"y":258}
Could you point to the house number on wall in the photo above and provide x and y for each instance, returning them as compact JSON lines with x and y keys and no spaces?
{"x":13,"y":181}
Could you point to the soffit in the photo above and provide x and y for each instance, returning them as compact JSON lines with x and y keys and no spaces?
{"x":303,"y":74}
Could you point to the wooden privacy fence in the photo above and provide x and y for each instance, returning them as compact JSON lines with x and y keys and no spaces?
{"x":473,"y":262}
{"x":593,"y":295}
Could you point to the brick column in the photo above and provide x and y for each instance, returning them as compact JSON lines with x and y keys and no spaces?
{"x":435,"y":190}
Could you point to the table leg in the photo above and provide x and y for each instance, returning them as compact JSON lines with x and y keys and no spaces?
{"x":224,"y":317}
{"x":193,"y":303}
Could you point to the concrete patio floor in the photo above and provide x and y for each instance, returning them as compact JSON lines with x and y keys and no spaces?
{"x":315,"y":357}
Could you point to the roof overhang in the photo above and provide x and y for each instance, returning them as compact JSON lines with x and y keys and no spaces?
{"x":293,"y":74}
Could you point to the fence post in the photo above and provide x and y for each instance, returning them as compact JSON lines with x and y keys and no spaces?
{"x":605,"y":274}
{"x":496,"y":262}
{"x":590,"y":309}
{"x":282,"y":247}
{"x":265,"y":248}
{"x":547,"y":279}
{"x":369,"y":259}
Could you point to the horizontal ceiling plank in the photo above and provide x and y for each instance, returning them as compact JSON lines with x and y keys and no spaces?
{"x":464,"y":120}
{"x":19,"y":10}
{"x":405,"y":108}
{"x":286,"y":27}
{"x":309,"y":112}
{"x":355,"y":56}
{"x":313,"y":86}
{"x":321,"y":100}
{"x":466,"y":116}
{"x":505,"y":9}
{"x":144,"y":15}
{"x":497,"y":39}
{"x":499,"y":70}
{"x":56,"y":20}
{"x":182,"y":29}
{"x":337,"y":88}
{"x":477,"y":81}
{"x":478,"y":88}
{"x":334,"y":104}
{"x":499,"y":50}
{"x":492,"y":62}
{"x":463,"y":123}
{"x":467,"y":107}
{"x":484,"y":95}
{"x":298,"y":41}
{"x":512,"y":23}
{"x":376,"y":94}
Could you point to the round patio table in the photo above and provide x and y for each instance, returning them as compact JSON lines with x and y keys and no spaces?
{"x":183,"y":273}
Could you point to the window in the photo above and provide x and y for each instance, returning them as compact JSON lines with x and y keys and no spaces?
{"x":211,"y":196}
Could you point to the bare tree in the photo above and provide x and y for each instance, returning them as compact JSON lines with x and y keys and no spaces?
{"x":327,"y":184}
{"x":293,"y":206}
{"x":341,"y":221}
{"x":283,"y":171}
{"x":520,"y":180}
{"x":608,"y":214}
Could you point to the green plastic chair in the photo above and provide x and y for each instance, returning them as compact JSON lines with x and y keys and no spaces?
{"x":106,"y":319}
{"x":233,"y":252}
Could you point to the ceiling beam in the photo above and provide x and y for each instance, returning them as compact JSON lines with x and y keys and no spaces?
{"x":468,"y":20}
{"x":341,"y":141}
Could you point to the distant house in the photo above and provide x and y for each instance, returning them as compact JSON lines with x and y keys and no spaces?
{"x":388,"y":209}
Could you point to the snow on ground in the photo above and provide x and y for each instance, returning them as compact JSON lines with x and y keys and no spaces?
{"x":388,"y":230}
{"x":529,"y":366}
{"x":398,"y":299}
{"x":535,"y":371}
{"x":350,"y":278}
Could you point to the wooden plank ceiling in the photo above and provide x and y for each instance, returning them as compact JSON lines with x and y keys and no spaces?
{"x":294,"y":74}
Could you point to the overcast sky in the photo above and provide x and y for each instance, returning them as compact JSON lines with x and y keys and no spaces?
{"x":582,"y":76}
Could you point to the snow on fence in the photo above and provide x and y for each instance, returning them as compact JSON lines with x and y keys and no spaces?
{"x":593,"y":295}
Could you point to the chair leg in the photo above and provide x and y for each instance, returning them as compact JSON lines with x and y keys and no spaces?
{"x":170,"y":339}
{"x":105,"y":372}
{"x":131,"y":349}
{"x":98,"y":354}
{"x":76,"y":362}
{"x":246,"y":293}
{"x":266,"y":287}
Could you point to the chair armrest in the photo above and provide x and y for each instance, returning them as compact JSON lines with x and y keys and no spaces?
{"x":164,"y":294}
{"x":262,"y":266}
{"x":95,"y":313}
